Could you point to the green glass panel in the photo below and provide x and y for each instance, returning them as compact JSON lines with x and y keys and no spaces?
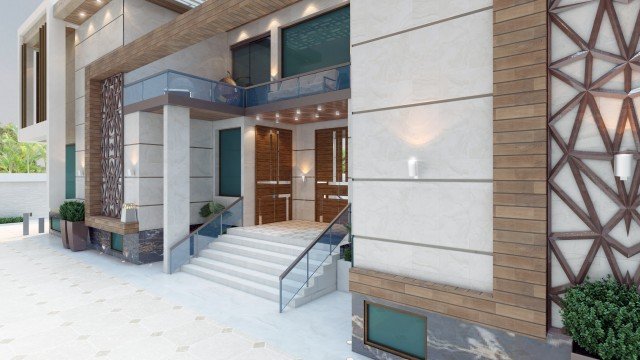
{"x":230,"y":149}
{"x":70,"y":172}
{"x":116,"y":242}
{"x":397,"y":330}
{"x":317,"y":43}
{"x":55,"y":224}
{"x":252,"y":62}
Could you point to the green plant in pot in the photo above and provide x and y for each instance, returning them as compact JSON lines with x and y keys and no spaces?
{"x":603,"y":317}
{"x":74,"y":231}
{"x":212,"y":208}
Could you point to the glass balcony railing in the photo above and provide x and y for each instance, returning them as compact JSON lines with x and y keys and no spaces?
{"x":318,"y":82}
{"x":177,"y":83}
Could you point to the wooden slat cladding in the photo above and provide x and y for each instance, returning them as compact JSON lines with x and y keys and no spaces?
{"x":274,"y":172}
{"x":41,"y":76}
{"x":23,"y":86}
{"x":327,"y":208}
{"x":520,"y":275}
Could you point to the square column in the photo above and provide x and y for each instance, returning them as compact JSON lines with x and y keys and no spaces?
{"x":176,"y":177}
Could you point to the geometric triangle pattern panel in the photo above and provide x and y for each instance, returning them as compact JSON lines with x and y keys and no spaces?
{"x":112,"y":146}
{"x":594,"y":82}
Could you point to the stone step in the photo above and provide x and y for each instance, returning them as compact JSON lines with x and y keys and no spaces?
{"x":259,"y":254}
{"x":317,"y":253}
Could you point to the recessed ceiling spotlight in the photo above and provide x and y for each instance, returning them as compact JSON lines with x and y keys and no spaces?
{"x":337,"y":113}
{"x":317,"y":116}
{"x":296,"y":118}
{"x":298,"y":111}
{"x":319,"y":107}
{"x":277,"y":115}
{"x":258,"y":117}
{"x":277,"y":121}
{"x":82,"y":14}
{"x":99,"y":1}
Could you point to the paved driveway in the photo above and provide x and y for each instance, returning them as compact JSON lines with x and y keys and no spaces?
{"x":55,"y":305}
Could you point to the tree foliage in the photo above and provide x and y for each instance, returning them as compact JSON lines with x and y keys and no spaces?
{"x":17,"y":157}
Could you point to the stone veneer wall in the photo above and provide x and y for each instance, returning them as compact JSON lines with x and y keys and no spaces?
{"x":454,"y":60}
{"x":142,"y":248}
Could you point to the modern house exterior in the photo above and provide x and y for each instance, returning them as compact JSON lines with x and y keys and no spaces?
{"x":465,"y":149}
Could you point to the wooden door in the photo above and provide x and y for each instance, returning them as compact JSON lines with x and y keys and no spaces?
{"x":273,"y":174}
{"x":332,"y":172}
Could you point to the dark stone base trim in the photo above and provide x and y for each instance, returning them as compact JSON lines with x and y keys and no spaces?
{"x":451,"y":338}
{"x":141,"y":248}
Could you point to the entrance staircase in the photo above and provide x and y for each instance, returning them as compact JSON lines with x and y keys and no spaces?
{"x":253,"y":262}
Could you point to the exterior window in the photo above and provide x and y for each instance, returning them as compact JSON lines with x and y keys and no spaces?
{"x":396,"y":331}
{"x":116,"y":242}
{"x":70,"y":172}
{"x":55,"y":223}
{"x":252,"y":62}
{"x":317,"y":43}
{"x":230,"y":151}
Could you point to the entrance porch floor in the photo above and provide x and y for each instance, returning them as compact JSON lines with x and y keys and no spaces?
{"x":62,"y":305}
{"x":292,"y":229}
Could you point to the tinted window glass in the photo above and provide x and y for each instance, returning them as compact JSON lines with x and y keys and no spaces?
{"x":252,"y":62}
{"x":397,"y":331}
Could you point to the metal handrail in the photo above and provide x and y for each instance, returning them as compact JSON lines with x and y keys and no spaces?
{"x":211,"y":219}
{"x":307,"y":249}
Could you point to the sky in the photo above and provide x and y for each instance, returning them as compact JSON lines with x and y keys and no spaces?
{"x":13,"y":14}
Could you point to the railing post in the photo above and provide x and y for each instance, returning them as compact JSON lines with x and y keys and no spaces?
{"x":281,"y":296}
{"x":307,"y":269}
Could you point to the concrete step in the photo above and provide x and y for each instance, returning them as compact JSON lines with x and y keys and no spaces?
{"x":259,"y":254}
{"x":317,"y":253}
{"x":239,"y":231}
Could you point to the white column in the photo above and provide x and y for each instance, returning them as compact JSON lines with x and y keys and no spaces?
{"x":56,"y":108}
{"x":176,"y":177}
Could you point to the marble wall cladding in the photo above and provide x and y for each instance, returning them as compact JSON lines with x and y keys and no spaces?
{"x":450,"y":338}
{"x":142,"y":248}
{"x":79,"y":85}
{"x":79,"y":111}
{"x":150,"y":217}
{"x":390,"y":16}
{"x":100,"y":43}
{"x":447,"y":60}
{"x":466,"y":269}
{"x":201,"y":162}
{"x":210,"y":59}
{"x":202,"y":133}
{"x":456,"y":215}
{"x":79,"y":187}
{"x":249,"y":172}
{"x":141,"y":17}
{"x":108,"y":14}
{"x":304,"y":210}
{"x":201,"y":189}
{"x":447,"y":142}
{"x":79,"y":135}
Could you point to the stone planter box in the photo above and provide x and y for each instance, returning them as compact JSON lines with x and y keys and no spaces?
{"x":343,"y":275}
{"x":76,"y":235}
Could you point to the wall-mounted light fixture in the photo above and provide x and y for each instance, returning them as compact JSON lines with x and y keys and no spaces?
{"x":129,"y":213}
{"x":623,"y":166}
{"x":412,"y":165}
{"x":131,"y":172}
{"x":304,"y":178}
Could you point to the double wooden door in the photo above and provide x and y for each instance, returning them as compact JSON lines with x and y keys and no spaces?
{"x":274,"y":159}
{"x":332,"y":172}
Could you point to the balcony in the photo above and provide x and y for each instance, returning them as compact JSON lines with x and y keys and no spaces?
{"x":217,"y":100}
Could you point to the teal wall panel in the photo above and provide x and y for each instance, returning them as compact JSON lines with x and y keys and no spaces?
{"x":230,"y":150}
{"x":396,"y":330}
{"x":317,"y":43}
{"x":70,"y":172}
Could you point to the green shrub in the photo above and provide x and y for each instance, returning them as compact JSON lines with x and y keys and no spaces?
{"x":211,"y":209}
{"x":603,"y":317}
{"x":348,"y":254}
{"x":10,"y":220}
{"x":72,"y":211}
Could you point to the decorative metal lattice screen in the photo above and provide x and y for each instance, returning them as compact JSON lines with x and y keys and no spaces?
{"x":112,"y":146}
{"x":594,"y":73}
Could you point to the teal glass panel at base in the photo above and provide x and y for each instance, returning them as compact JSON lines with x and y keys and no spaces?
{"x":116,"y":242}
{"x":55,"y":224}
{"x":317,"y":43}
{"x":396,"y":331}
{"x":70,"y":172}
{"x":230,"y":164}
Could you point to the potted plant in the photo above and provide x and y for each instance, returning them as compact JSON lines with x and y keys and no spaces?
{"x":75,"y":230}
{"x":212,"y":208}
{"x":603,"y":317}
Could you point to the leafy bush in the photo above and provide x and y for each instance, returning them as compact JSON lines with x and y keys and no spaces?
{"x":348,"y":254}
{"x":17,"y":157}
{"x":211,"y":209}
{"x":72,"y":211}
{"x":603,"y":317}
{"x":10,"y":220}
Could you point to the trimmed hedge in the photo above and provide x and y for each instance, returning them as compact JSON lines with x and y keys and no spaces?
{"x":72,"y":211}
{"x":603,"y":317}
{"x":10,"y":220}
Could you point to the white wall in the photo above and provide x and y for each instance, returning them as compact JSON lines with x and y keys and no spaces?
{"x":437,"y":227}
{"x":23,"y":193}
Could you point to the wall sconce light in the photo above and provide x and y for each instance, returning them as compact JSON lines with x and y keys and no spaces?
{"x":623,"y":166}
{"x":80,"y":172}
{"x":131,"y":172}
{"x":304,"y":178}
{"x":412,"y":165}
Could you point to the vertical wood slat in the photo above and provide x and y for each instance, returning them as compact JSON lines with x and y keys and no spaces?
{"x":23,"y":86}
{"x":41,"y":79}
